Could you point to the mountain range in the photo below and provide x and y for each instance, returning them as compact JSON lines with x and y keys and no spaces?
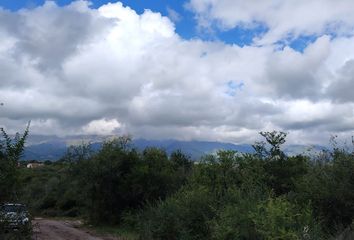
{"x":53,"y":147}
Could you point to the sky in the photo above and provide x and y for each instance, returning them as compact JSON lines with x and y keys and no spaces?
{"x":218,"y":70}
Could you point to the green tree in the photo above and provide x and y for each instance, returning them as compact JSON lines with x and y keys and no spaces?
{"x":282,"y":172}
{"x":277,"y":218}
{"x":329,"y":186}
{"x":10,"y":153}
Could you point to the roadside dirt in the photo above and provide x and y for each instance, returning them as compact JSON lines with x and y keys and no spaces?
{"x":45,"y":229}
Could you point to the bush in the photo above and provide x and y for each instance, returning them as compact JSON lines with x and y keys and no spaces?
{"x":329,"y":186}
{"x":234,"y":220}
{"x":277,"y":218}
{"x":185,"y":216}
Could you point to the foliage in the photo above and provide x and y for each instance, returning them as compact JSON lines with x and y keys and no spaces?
{"x":10,"y":152}
{"x":282,"y":172}
{"x":329,"y":186}
{"x":250,"y":217}
{"x":233,"y":220}
{"x":227,"y":195}
{"x":280,"y":219}
{"x":184,"y":216}
{"x":48,"y":190}
{"x":103,"y":186}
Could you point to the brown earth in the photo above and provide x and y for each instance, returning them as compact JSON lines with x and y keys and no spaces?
{"x":45,"y":229}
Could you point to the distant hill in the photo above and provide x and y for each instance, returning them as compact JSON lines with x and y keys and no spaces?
{"x":45,"y":151}
{"x":53,"y":147}
{"x":195,"y":149}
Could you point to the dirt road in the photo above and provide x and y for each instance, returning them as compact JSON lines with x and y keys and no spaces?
{"x":45,"y":229}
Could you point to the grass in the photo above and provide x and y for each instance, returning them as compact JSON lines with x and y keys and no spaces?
{"x":122,"y":232}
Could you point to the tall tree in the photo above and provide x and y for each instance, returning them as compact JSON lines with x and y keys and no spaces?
{"x":10,"y":153}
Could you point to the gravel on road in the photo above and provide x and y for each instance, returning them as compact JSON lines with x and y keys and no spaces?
{"x":46,"y":229}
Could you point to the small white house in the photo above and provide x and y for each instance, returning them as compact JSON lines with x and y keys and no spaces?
{"x":34,"y":165}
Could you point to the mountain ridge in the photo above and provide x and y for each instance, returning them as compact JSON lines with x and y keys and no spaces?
{"x":53,"y":147}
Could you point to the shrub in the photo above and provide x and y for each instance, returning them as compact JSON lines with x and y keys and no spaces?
{"x":277,"y":218}
{"x":185,"y":216}
{"x":234,"y":219}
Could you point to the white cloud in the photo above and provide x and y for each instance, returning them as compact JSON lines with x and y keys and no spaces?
{"x":284,"y":19}
{"x":77,"y":70}
{"x":173,"y":15}
{"x":102,"y":127}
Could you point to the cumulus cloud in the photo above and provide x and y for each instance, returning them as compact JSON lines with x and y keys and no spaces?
{"x":298,"y":75}
{"x":341,"y":89}
{"x":78,"y":70}
{"x":102,"y":126}
{"x":283,"y":19}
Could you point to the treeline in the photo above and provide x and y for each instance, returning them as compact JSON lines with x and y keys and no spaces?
{"x":104,"y":186}
{"x":229,"y":195}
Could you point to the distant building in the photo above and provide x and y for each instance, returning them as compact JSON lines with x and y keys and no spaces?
{"x":34,"y":165}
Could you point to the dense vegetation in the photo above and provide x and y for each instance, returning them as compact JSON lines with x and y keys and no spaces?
{"x":265,"y":195}
{"x":10,"y":152}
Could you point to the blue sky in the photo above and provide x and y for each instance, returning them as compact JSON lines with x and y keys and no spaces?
{"x":186,"y":26}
